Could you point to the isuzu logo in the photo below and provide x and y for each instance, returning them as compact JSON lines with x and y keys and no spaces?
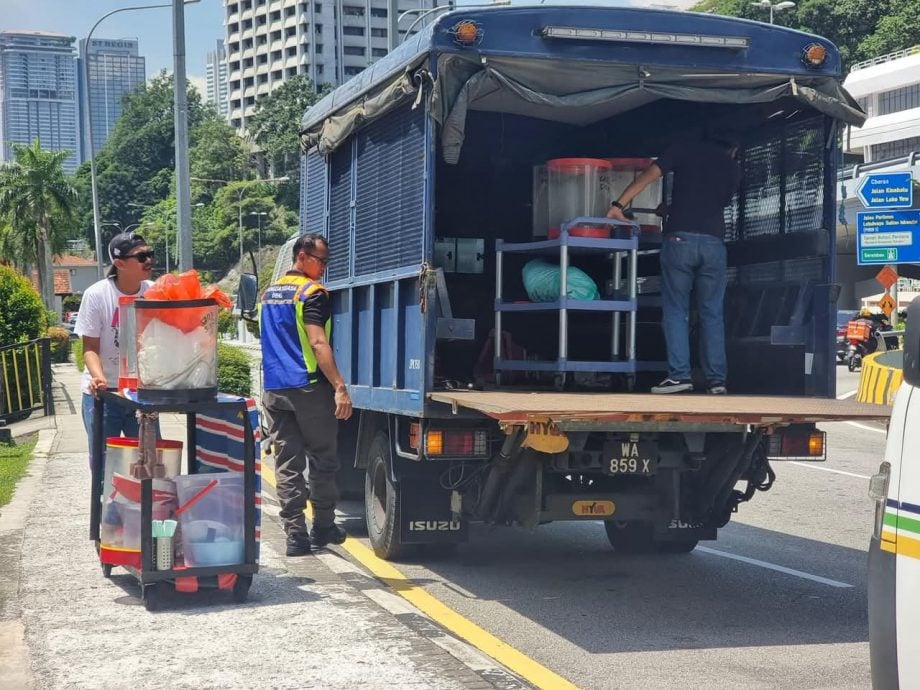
{"x":434,"y":526}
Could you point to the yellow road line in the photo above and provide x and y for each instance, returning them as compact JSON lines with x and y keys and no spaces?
{"x":532,"y":671}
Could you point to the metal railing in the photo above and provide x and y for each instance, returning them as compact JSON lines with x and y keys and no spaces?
{"x":853,"y":172}
{"x":25,"y":379}
{"x":881,"y":59}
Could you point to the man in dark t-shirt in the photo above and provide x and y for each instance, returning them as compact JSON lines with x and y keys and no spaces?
{"x":692,"y":253}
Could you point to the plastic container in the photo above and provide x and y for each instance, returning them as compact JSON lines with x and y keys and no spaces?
{"x":121,"y":511}
{"x":127,"y":329}
{"x":540,"y":201}
{"x":176,"y":350}
{"x":577,"y":188}
{"x":621,"y":174}
{"x":122,"y":452}
{"x":131,"y":521}
{"x":211,"y":518}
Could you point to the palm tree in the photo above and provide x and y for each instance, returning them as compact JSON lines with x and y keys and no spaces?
{"x":37,"y":205}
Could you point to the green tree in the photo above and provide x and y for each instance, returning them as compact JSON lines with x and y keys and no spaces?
{"x":37,"y":203}
{"x":22,"y":315}
{"x":900,"y":29}
{"x":216,"y":151}
{"x":276,"y":122}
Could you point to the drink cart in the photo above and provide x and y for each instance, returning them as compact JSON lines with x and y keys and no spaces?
{"x":222,"y":438}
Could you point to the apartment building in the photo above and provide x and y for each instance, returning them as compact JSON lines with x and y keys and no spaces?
{"x":115,"y":68}
{"x":38,"y":93}
{"x":329,"y":41}
{"x":218,"y":85}
{"x":888,"y":89}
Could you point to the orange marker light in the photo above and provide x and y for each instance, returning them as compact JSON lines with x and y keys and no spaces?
{"x":466,"y":33}
{"x":814,"y":55}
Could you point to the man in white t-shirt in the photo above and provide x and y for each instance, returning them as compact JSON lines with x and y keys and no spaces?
{"x":97,"y":324}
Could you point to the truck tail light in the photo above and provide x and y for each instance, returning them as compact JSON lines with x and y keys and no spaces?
{"x":450,"y":442}
{"x":797,"y":444}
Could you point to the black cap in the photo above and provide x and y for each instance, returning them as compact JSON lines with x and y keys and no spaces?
{"x":121,"y":245}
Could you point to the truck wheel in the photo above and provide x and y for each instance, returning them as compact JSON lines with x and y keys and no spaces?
{"x":381,"y":501}
{"x":637,"y":538}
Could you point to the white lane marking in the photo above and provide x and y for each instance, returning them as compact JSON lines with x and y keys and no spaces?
{"x":846,"y":395}
{"x":867,"y":428}
{"x":828,"y":469}
{"x":777,"y":568}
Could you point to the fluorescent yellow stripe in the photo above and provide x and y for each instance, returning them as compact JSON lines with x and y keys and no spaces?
{"x":889,"y":535}
{"x":888,"y":546}
{"x":908,"y":547}
{"x":521,"y":664}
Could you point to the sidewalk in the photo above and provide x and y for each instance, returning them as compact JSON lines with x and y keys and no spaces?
{"x":306,"y":624}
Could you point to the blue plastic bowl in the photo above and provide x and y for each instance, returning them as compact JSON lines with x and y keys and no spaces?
{"x":208,"y":553}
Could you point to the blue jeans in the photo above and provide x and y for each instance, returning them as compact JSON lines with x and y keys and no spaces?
{"x":115,"y":421}
{"x":694,"y":262}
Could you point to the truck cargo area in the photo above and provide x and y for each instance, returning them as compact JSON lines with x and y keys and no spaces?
{"x":779,"y":300}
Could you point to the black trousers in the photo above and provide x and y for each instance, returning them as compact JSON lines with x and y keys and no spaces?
{"x":303,"y":431}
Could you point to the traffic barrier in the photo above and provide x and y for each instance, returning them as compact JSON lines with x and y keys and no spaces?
{"x":880,"y":377}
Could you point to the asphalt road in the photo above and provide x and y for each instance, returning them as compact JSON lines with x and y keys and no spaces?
{"x":778,"y":601}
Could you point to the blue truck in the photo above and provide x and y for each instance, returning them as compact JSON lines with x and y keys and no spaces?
{"x":479,"y":405}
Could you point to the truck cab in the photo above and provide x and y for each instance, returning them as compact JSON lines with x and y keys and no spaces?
{"x":894,"y":549}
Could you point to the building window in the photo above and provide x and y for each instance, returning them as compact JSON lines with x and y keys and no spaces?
{"x":276,"y":15}
{"x":250,"y":100}
{"x":276,"y":55}
{"x":354,"y":50}
{"x":233,"y":28}
{"x":290,"y":11}
{"x":277,"y":74}
{"x":263,"y":59}
{"x":379,"y":33}
{"x":234,"y":66}
{"x":352,"y":71}
{"x":291,"y":52}
{"x":247,"y":23}
{"x":276,"y":35}
{"x":247,"y":44}
{"x":893,"y":149}
{"x":379,"y":12}
{"x":353,"y":30}
{"x":353,"y":11}
{"x":261,"y":41}
{"x":235,"y":85}
{"x":379,"y":52}
{"x":292,"y":72}
{"x":248,"y":62}
{"x":263,"y":20}
{"x":318,"y":7}
{"x":319,"y":47}
{"x":317,"y":29}
{"x":290,"y":31}
{"x":896,"y":100}
{"x":263,"y":78}
{"x":232,"y":9}
{"x":249,"y":81}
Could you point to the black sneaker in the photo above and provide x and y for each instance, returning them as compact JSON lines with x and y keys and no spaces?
{"x":717,"y":388}
{"x":331,"y":534}
{"x":673,"y":386}
{"x":298,"y":544}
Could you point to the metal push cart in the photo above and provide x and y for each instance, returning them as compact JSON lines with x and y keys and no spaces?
{"x":238,"y":577}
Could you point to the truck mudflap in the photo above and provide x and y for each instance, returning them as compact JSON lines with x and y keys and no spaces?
{"x":588,"y":411}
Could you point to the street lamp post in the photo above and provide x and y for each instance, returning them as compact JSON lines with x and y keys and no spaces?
{"x":768,"y":5}
{"x":90,"y":144}
{"x":260,"y":215}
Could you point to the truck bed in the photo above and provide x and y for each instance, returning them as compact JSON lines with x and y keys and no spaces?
{"x":584,"y":411}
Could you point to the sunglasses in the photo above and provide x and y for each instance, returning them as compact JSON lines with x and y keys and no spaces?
{"x":140,"y":256}
{"x":323,"y":260}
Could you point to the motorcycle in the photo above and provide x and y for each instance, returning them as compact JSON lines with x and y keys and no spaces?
{"x":864,"y":336}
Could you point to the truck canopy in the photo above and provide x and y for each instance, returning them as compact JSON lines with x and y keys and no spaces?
{"x":610,"y":65}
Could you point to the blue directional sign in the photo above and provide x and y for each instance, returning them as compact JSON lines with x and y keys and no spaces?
{"x":888,"y":237}
{"x":886,"y":190}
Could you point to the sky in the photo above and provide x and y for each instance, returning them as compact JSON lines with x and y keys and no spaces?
{"x":153,"y":28}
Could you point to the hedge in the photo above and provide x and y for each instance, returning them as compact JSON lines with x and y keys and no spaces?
{"x":234,"y":371}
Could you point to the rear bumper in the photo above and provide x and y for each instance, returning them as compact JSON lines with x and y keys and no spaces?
{"x":883,"y":642}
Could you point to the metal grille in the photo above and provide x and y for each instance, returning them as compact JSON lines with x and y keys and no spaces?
{"x":389,"y":207}
{"x":313,"y":193}
{"x":339,"y":216}
{"x":803,"y":157}
{"x":782,"y":187}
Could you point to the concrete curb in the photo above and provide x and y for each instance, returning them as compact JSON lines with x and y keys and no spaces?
{"x":879,"y":379}
{"x":15,"y":667}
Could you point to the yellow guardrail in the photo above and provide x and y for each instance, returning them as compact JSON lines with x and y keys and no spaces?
{"x":880,"y":377}
{"x":25,"y":379}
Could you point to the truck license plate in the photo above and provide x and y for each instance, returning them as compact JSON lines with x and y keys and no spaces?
{"x":631,"y":457}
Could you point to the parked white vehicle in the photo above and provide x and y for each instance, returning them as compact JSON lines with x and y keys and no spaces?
{"x":894,"y":552}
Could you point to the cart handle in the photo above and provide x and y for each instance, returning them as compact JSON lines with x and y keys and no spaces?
{"x":197,"y":497}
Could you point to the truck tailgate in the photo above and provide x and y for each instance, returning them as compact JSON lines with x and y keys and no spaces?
{"x":584,"y":410}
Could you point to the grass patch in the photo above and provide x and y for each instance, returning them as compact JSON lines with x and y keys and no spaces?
{"x":78,"y":353}
{"x":13,"y":462}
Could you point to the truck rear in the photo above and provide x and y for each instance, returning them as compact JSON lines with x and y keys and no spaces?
{"x":478,"y":404}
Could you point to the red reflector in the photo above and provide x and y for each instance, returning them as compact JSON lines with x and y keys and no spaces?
{"x":459,"y":442}
{"x":794,"y":445}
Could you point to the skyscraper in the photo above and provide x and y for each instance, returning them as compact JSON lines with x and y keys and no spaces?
{"x":38,"y":93}
{"x":115,"y":69}
{"x":218,"y":87}
{"x":329,"y":41}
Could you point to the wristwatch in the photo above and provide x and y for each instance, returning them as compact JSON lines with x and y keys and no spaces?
{"x":617,"y":204}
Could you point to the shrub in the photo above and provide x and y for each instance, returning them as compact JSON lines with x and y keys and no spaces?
{"x":71,"y":303}
{"x":22,"y":315}
{"x":234,"y":371}
{"x":60,"y":344}
{"x":226,"y":322}
{"x":78,"y":353}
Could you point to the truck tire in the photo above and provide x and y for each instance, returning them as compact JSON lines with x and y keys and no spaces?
{"x":381,"y":501}
{"x":638,"y":538}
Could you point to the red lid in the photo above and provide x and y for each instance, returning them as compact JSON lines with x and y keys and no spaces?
{"x":127,"y":299}
{"x":582,"y":231}
{"x":576,"y":164}
{"x":132,"y":442}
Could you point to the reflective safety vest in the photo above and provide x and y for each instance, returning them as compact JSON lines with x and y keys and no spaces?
{"x":288,"y":360}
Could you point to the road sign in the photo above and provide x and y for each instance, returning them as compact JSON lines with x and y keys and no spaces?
{"x":887,"y":277}
{"x":887,"y":304}
{"x":886,"y":190}
{"x":888,"y":237}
